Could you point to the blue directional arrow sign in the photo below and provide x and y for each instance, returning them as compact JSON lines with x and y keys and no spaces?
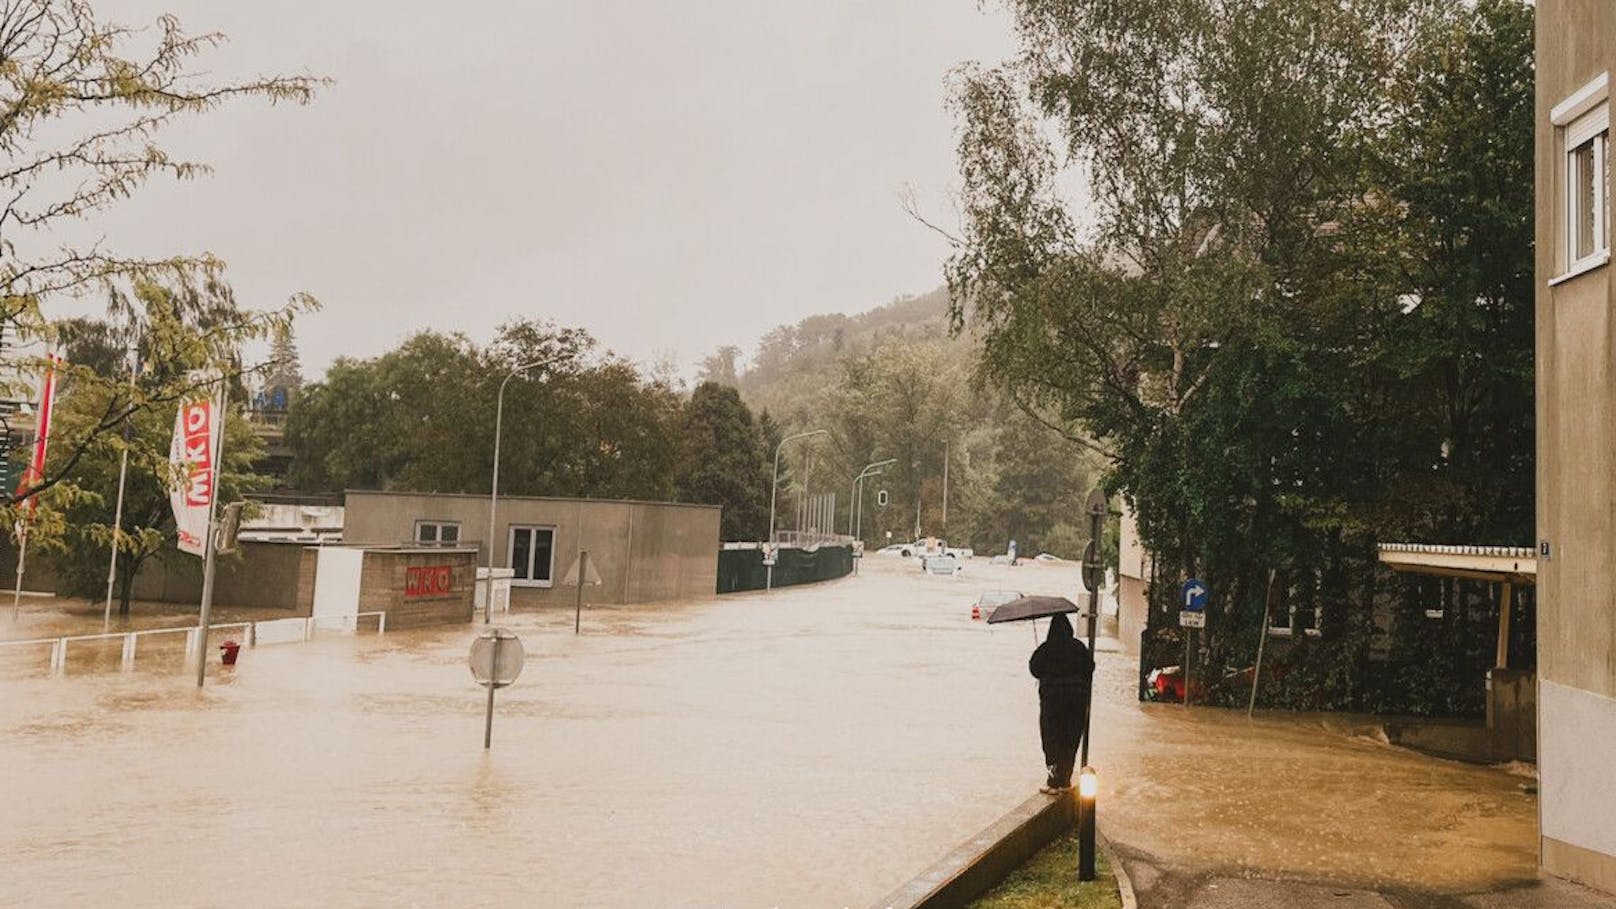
{"x":1192,"y":596}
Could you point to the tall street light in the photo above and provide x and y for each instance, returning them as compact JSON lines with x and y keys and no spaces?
{"x":774,"y":489}
{"x":493,"y":495}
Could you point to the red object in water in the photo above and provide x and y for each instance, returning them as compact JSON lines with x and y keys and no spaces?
{"x":228,"y":650}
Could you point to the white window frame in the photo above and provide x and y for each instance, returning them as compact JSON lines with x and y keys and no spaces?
{"x":438,"y":539}
{"x":1581,"y":117}
{"x":510,"y":555}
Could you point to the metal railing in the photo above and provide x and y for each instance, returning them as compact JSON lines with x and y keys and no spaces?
{"x":808,"y":539}
{"x":305,"y":626}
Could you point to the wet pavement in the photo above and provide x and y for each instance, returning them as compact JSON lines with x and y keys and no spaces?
{"x":810,"y":747}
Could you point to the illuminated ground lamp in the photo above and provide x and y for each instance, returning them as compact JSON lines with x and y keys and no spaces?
{"x":1088,"y":786}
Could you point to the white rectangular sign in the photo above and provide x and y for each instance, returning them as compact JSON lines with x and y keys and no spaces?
{"x":1187,"y":619}
{"x":194,"y":456}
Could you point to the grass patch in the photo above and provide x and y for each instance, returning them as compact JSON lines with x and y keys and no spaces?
{"x":1049,"y":881}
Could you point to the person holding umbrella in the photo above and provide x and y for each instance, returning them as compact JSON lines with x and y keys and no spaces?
{"x":1064,"y":669}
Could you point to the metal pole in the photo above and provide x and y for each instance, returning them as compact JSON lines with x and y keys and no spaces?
{"x":493,"y":493}
{"x":945,"y":487}
{"x":1087,"y":783}
{"x":117,"y":513}
{"x":1096,"y":527}
{"x":774,"y":491}
{"x":22,"y":556}
{"x":209,"y":545}
{"x":1256,"y":674}
{"x":488,"y":718}
{"x":583,"y":573}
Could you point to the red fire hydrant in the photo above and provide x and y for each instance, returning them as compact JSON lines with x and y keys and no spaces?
{"x":228,"y":650}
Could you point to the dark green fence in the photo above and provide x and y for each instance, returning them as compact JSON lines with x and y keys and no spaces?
{"x":743,"y":569}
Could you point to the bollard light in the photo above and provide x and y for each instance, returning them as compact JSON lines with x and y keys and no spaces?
{"x":1088,"y":783}
{"x":1088,"y":786}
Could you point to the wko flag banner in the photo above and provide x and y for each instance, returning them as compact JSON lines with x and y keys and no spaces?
{"x":194,"y":456}
{"x":35,"y":473}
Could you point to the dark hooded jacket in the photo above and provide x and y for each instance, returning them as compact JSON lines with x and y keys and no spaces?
{"x":1064,"y":670}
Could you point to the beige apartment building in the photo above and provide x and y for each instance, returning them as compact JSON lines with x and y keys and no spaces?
{"x":1576,"y":441}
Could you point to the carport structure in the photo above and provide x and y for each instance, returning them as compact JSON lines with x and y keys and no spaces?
{"x":1508,"y":566}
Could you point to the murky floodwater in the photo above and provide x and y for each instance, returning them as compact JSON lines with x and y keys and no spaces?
{"x":810,"y":748}
{"x":814,"y":747}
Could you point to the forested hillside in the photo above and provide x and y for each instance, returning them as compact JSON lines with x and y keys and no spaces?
{"x":895,"y":383}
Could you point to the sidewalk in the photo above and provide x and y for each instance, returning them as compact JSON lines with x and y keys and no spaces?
{"x":1210,"y":810}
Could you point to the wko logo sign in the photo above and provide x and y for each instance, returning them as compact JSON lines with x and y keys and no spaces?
{"x":428,"y":581}
{"x":196,"y":422}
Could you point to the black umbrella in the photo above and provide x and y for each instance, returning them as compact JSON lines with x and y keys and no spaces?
{"x":1031,"y":608}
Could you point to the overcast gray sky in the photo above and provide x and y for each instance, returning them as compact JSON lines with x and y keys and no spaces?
{"x":671,"y":176}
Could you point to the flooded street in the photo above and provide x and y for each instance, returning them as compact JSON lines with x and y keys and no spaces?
{"x":812,"y":747}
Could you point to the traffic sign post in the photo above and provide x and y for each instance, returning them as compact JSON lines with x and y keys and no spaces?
{"x":496,"y":659}
{"x":1088,"y":785}
{"x":1192,"y":614}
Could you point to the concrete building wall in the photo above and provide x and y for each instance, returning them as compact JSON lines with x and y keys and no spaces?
{"x":1133,"y":575}
{"x":1576,"y":478}
{"x":643,"y":551}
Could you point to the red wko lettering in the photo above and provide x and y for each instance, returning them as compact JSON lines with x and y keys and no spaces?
{"x":198,"y":452}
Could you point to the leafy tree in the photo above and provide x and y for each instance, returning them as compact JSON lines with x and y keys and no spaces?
{"x":724,"y":462}
{"x":1243,"y":318}
{"x":82,"y":105}
{"x":421,"y":417}
{"x":79,"y":510}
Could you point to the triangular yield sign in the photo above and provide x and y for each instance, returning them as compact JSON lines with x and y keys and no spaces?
{"x":591,"y":576}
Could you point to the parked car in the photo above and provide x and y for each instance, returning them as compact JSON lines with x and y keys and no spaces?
{"x":990,"y":600}
{"x":905,"y":550}
{"x":942,"y":564}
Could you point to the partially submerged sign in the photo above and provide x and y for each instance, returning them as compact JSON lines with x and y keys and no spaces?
{"x":496,"y":659}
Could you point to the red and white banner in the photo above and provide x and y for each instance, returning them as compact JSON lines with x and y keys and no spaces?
{"x":42,"y":427}
{"x":194,"y":456}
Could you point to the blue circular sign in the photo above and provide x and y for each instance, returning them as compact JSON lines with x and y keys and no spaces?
{"x":1192,"y":596}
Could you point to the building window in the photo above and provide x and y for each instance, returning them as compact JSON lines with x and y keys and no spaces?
{"x":437,"y":533}
{"x":1583,"y":122}
{"x":532,"y":556}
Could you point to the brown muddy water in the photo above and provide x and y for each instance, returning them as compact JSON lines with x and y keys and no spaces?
{"x":812,"y":747}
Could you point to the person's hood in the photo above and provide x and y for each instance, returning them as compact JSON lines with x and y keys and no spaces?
{"x":1059,"y":628}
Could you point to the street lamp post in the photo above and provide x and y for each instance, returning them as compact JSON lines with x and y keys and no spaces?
{"x":493,"y":495}
{"x":774,"y":489}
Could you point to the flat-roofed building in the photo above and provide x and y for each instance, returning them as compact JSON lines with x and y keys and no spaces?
{"x":643,"y":551}
{"x":1576,"y":441}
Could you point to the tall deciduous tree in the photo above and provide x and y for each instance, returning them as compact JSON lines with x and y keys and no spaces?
{"x":83,"y":104}
{"x":1281,"y":278}
{"x":724,"y":462}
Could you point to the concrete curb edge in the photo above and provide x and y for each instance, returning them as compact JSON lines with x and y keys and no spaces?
{"x":975,"y":866}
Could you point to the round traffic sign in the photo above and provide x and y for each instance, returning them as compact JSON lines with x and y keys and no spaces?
{"x":496,"y":658}
{"x":1093,"y":571}
{"x":1192,"y":596}
{"x":1097,"y":503}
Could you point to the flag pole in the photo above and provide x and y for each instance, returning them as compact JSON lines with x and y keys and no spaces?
{"x":210,"y":544}
{"x":35,"y":471}
{"x":117,"y":514}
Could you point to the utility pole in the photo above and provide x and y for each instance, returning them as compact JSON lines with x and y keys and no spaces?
{"x":945,"y":487}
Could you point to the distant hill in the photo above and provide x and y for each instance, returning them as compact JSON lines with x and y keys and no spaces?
{"x":791,"y":358}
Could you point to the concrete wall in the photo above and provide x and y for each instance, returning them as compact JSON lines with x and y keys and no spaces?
{"x":260,"y":575}
{"x":1576,"y":480}
{"x":644,"y":551}
{"x":1133,"y":575}
{"x":382,"y":586}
